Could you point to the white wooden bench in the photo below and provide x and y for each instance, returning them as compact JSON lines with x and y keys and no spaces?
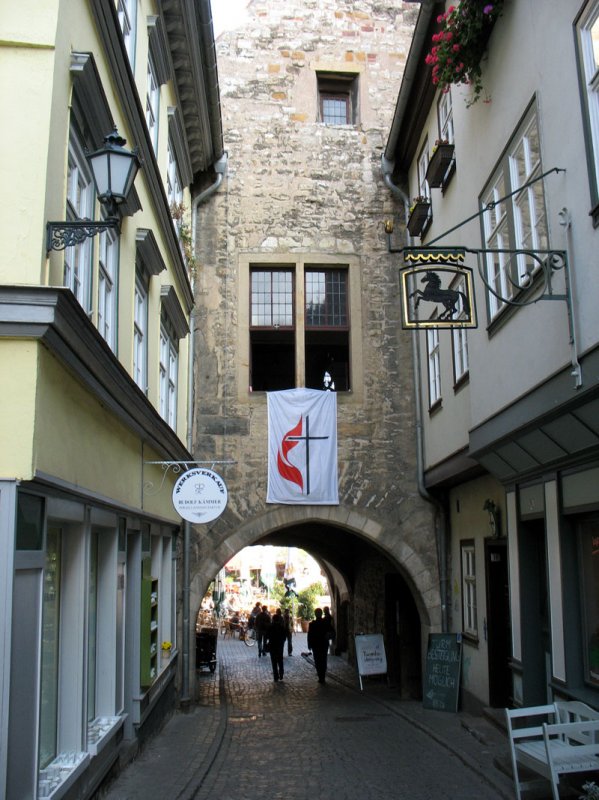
{"x":559,"y":738}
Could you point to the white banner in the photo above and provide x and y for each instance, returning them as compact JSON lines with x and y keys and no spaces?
{"x":302,"y":447}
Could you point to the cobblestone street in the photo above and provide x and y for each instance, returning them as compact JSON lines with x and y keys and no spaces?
{"x":250,"y":738}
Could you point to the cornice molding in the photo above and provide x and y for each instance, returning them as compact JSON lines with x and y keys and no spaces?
{"x":54,"y":317}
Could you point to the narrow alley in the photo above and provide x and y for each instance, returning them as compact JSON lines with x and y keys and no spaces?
{"x":249,"y":737}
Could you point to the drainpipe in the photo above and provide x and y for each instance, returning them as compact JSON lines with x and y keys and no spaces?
{"x":220,"y":167}
{"x":441,"y":533}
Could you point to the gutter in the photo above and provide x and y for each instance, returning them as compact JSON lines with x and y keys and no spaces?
{"x":220,"y":167}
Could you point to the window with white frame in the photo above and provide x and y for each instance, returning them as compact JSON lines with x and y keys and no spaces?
{"x":152,"y":103}
{"x":469,"y":617}
{"x":445,"y":116}
{"x":80,"y":205}
{"x":518,"y":222}
{"x":140,"y":340}
{"x":460,"y":335}
{"x":107,"y":286}
{"x":587,"y":32}
{"x":423,"y":161}
{"x":174,"y":189}
{"x":169,"y":369}
{"x":434,"y":366}
{"x":127,"y":14}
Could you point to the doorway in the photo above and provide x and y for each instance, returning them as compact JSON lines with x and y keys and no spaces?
{"x":498,"y":623}
{"x":402,"y":624}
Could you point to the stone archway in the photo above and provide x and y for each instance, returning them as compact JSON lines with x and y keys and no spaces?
{"x":345,"y":539}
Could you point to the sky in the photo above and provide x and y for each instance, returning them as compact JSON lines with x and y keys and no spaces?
{"x":226,"y":14}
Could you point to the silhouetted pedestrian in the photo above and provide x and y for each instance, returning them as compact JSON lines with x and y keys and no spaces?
{"x":289,"y":631}
{"x":318,"y":643}
{"x":277,"y":635}
{"x":262,"y":624}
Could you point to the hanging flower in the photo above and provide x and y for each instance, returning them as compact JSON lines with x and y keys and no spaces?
{"x":459,"y":46}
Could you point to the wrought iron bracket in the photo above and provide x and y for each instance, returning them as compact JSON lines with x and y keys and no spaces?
{"x":177,"y":467}
{"x":60,"y":235}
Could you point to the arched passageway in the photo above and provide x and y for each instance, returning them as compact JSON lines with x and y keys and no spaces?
{"x":373,"y":590}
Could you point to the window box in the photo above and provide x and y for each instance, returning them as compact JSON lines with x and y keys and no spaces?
{"x":420,"y":217}
{"x":438,"y":167}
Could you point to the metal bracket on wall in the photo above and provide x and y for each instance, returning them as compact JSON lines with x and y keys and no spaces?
{"x":177,"y":467}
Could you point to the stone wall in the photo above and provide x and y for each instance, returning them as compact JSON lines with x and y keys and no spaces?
{"x":297,"y":187}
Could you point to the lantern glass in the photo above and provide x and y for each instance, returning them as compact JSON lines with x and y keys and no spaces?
{"x":114,"y":170}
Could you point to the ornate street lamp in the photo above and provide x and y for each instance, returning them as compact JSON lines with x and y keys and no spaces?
{"x":114,"y":170}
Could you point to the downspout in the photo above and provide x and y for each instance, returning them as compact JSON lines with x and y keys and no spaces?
{"x":220,"y":167}
{"x":441,"y":533}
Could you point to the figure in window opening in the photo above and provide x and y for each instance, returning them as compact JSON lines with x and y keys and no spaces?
{"x":328,"y":384}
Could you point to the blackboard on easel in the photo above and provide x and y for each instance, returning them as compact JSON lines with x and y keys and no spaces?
{"x":441,"y":688}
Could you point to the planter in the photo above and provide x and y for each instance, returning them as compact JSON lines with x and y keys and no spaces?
{"x":419,"y":219}
{"x":304,"y":624}
{"x":439,"y":166}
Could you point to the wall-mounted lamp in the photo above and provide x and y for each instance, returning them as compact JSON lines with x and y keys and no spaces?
{"x":114,"y":170}
{"x":493,"y":512}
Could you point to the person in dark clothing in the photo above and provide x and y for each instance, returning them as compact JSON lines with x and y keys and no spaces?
{"x":277,"y":635}
{"x":318,"y":643}
{"x":262,"y":624}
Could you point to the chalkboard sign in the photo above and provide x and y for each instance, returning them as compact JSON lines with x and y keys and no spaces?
{"x":370,"y":654}
{"x":442,"y":674}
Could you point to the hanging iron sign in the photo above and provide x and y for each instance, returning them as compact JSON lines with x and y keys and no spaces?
{"x":200,"y":495}
{"x":439,"y":292}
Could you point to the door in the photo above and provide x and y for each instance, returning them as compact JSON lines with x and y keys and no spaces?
{"x":498,"y":623}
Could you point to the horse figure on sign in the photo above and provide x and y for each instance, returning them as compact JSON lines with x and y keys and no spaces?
{"x":449,"y":298}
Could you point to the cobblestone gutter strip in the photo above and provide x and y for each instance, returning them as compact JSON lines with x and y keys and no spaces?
{"x":196,"y":781}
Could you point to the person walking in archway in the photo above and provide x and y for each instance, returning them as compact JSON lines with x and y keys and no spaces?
{"x":328,"y":618}
{"x":318,"y":643}
{"x":277,"y":635}
{"x":262,"y":625}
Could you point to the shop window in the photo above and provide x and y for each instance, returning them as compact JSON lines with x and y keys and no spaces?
{"x":588,"y":537}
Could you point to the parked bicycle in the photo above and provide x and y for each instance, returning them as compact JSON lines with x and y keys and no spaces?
{"x":249,"y":636}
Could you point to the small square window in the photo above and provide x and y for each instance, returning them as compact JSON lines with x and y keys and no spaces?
{"x":337,"y":98}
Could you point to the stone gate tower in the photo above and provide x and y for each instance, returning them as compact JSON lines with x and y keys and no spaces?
{"x":308,"y":89}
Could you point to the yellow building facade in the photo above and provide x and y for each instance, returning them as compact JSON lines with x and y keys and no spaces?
{"x":94,"y":353}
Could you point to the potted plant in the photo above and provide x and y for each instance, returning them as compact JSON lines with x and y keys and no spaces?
{"x":440,"y":163}
{"x":419,"y":215}
{"x":306,"y":603}
{"x":459,"y":46}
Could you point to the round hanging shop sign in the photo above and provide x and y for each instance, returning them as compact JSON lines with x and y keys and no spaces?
{"x":200,"y":495}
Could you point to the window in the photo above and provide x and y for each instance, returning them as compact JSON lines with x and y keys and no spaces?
{"x":588,"y":539}
{"x":107,"y":277}
{"x":445,"y":116}
{"x":434,"y":366}
{"x":469,"y":620}
{"x":174,"y":190}
{"x":272,"y":336}
{"x":127,"y":14}
{"x":169,"y":368}
{"x":140,"y":343}
{"x":337,"y":98}
{"x":460,"y":335}
{"x":327,"y":327}
{"x":518,"y":223}
{"x":322,"y":331}
{"x":49,"y":716}
{"x":587,"y":30}
{"x":423,"y":159}
{"x":80,"y":205}
{"x":152,"y":103}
